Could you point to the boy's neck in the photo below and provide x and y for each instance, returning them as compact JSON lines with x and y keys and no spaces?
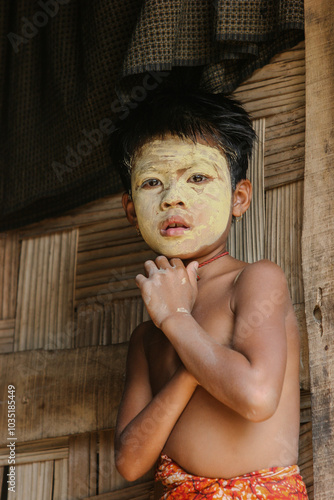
{"x":209,"y":257}
{"x":208,"y":261}
{"x":215,"y":257}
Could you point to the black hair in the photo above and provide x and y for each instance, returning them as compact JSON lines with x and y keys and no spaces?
{"x":185,"y":113}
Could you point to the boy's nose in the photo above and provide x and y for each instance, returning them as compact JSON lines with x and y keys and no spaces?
{"x":168,"y":204}
{"x":172,"y":198}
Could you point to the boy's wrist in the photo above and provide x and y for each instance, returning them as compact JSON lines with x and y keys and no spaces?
{"x":187,"y":376}
{"x":174,"y":319}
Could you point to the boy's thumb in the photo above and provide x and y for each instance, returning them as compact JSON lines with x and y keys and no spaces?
{"x":192,"y":271}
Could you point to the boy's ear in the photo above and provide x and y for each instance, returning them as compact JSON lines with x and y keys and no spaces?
{"x":242,"y":197}
{"x":129,"y":209}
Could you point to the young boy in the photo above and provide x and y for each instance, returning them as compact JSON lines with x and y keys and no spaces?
{"x":212,"y":381}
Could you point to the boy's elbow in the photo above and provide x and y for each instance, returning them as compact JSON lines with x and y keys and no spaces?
{"x":130,"y":465}
{"x":125,"y":465}
{"x":262,"y":405}
{"x":127,"y":471}
{"x":128,"y":475}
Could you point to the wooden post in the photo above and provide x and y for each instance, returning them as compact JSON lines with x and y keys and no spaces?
{"x":318,"y":232}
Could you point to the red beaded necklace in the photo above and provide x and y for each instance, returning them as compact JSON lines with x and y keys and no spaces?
{"x":211,"y":260}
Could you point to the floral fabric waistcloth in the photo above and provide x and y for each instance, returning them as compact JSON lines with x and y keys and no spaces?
{"x":272,"y":484}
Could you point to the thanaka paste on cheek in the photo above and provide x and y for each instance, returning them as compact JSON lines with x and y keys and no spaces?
{"x":205,"y":207}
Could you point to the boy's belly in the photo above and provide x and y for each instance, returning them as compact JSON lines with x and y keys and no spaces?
{"x":211,"y":440}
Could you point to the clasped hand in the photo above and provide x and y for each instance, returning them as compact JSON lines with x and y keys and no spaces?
{"x":169,"y":288}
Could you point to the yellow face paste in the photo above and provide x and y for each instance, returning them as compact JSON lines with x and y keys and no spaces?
{"x":182,"y":196}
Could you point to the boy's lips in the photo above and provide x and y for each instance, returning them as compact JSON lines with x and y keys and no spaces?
{"x":174,"y":226}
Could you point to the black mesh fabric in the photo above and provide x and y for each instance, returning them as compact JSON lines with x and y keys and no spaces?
{"x":70,"y":68}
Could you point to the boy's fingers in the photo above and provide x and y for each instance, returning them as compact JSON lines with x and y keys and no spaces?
{"x":162,"y":262}
{"x":175,"y":262}
{"x":150,"y":267}
{"x":140,"y":279}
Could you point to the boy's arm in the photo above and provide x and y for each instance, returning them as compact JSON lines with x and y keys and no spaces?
{"x":248,"y":377}
{"x":144,"y":422}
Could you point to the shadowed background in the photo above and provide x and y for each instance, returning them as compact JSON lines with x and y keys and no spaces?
{"x":67,"y":66}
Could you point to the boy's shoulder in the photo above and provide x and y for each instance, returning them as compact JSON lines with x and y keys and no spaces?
{"x":263,"y":279}
{"x":260,"y":269}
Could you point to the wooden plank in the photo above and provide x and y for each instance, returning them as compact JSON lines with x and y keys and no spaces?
{"x":47,"y":273}
{"x":62,"y":392}
{"x":318,"y":235}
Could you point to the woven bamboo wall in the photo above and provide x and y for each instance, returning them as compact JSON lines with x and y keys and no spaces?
{"x":69,"y":283}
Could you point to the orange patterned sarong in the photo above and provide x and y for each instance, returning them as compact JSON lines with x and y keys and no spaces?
{"x":271,"y":484}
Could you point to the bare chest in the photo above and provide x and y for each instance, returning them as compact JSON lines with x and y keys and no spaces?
{"x":214,"y":316}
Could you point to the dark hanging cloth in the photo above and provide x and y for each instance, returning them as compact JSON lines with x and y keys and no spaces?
{"x":70,"y":68}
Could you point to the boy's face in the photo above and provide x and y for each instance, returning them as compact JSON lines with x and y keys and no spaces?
{"x":182,"y":197}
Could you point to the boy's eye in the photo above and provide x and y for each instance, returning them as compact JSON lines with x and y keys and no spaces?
{"x":197,"y":178}
{"x":151,"y":183}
